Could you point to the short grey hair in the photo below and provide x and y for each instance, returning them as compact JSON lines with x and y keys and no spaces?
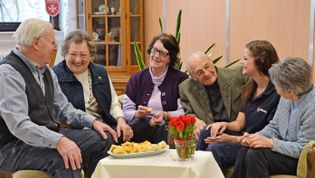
{"x":78,"y":37}
{"x":30,"y":29}
{"x":293,"y":74}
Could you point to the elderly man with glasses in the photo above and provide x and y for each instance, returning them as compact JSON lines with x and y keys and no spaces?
{"x":211,"y":94}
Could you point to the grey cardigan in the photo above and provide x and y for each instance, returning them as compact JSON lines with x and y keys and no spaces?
{"x":290,"y":135}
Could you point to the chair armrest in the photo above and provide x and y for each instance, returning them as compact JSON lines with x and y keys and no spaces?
{"x":311,"y":162}
{"x":302,"y":164}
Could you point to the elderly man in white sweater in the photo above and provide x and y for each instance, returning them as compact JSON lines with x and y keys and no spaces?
{"x":276,"y":148}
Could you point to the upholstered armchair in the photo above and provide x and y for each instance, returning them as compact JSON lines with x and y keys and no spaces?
{"x":306,"y":164}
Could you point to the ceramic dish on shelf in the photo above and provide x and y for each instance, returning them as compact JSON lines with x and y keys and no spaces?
{"x":139,"y":154}
{"x":101,"y":8}
{"x":99,"y":13}
{"x":95,"y":36}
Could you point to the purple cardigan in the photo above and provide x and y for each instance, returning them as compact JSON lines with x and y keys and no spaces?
{"x":140,"y":87}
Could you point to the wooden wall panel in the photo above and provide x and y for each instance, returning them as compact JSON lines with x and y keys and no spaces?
{"x":285,"y":23}
{"x":203,"y":22}
{"x":153,"y":9}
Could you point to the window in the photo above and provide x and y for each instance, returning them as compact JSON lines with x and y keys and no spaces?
{"x":13,"y":12}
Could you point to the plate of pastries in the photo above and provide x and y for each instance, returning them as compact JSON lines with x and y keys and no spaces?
{"x":133,"y":149}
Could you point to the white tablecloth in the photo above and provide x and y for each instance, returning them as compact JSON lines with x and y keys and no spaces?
{"x":159,"y":166}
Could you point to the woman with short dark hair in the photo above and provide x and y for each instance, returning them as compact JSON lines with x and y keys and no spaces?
{"x":152,"y":95}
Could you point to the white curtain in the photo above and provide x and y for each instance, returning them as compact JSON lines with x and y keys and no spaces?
{"x":67,"y":16}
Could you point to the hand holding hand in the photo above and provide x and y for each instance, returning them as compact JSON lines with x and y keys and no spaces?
{"x":243,"y":140}
{"x":70,"y":153}
{"x":217,"y":128}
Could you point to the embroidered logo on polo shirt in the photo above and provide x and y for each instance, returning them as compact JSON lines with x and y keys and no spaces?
{"x":261,"y":110}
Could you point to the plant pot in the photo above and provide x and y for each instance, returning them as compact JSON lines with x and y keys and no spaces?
{"x":185,"y":149}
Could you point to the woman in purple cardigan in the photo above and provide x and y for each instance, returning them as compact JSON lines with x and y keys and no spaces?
{"x":152,"y":95}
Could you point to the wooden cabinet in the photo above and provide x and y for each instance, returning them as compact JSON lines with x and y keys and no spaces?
{"x":114,"y":25}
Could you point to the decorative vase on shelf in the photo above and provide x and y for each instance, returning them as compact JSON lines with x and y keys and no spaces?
{"x":185,"y":149}
{"x":112,"y":10}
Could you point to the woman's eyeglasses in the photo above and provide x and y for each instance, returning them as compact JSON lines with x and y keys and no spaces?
{"x":154,"y":50}
{"x":80,"y":55}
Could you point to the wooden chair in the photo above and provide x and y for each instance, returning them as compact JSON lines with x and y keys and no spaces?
{"x":306,"y":164}
{"x":53,"y":59}
{"x":311,"y":162}
{"x":30,"y":174}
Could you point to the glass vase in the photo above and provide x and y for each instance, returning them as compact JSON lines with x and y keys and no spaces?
{"x":185,"y":149}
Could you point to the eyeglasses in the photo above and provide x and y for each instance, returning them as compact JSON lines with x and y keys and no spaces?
{"x":80,"y":55}
{"x":53,"y":42}
{"x":207,"y":68}
{"x":154,"y":50}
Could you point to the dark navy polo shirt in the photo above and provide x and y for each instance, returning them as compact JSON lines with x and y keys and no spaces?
{"x":260,"y":110}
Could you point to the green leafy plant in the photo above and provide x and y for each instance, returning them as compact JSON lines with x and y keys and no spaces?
{"x":178,"y":64}
{"x":138,"y":56}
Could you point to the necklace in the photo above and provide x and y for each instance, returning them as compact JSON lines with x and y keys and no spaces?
{"x":90,"y":87}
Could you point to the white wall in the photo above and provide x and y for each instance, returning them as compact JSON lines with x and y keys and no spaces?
{"x":6,"y":43}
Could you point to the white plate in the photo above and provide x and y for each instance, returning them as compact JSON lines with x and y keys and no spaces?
{"x":140,"y":154}
{"x":98,"y":13}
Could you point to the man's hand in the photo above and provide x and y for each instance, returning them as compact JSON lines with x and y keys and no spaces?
{"x":142,"y":112}
{"x":217,"y":128}
{"x":70,"y":153}
{"x":123,"y":127}
{"x":199,"y":124}
{"x":100,"y":127}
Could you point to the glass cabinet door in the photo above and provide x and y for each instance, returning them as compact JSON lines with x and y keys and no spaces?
{"x":135,"y":26}
{"x":80,"y":14}
{"x":115,"y":25}
{"x":105,"y":29}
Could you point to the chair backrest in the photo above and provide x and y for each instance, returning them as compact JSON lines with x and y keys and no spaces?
{"x":53,"y":59}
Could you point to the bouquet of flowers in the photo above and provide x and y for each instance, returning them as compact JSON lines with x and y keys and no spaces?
{"x":182,"y":127}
